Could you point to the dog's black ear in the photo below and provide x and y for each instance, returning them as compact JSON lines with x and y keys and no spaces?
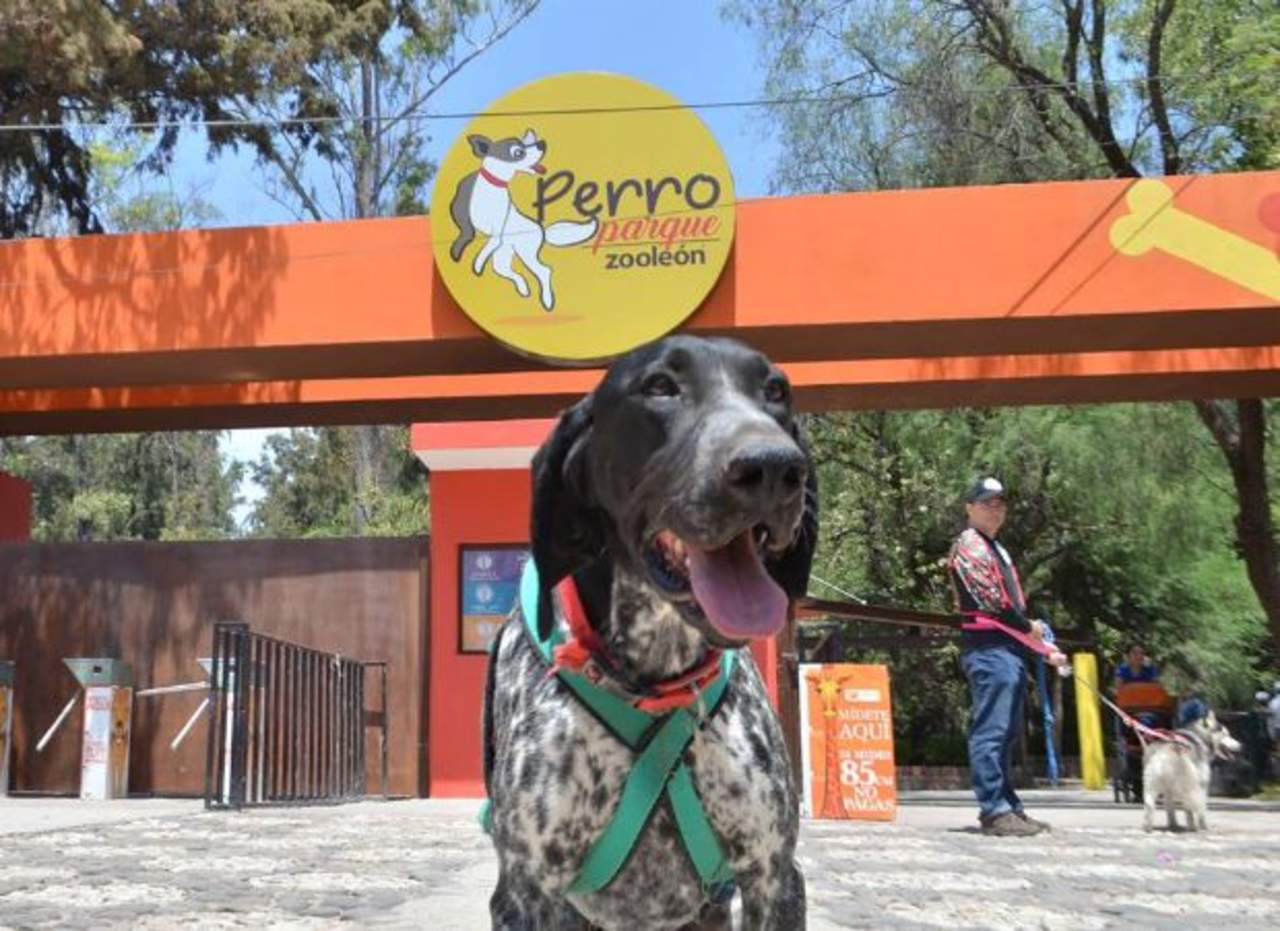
{"x":479,"y":144}
{"x":790,"y":569}
{"x":566,"y":530}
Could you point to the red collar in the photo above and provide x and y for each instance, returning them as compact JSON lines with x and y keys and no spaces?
{"x":492,"y":179}
{"x":584,"y":651}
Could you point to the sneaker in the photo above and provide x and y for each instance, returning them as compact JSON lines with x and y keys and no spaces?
{"x":1042,"y":825}
{"x":1009,"y":825}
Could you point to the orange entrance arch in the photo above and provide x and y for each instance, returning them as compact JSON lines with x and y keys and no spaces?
{"x":1041,"y":293}
{"x":1056,"y":292}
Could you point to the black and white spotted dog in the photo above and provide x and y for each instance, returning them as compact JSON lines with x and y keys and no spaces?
{"x":680,"y":496}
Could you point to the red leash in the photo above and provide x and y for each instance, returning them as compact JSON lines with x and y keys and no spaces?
{"x":987,"y":622}
{"x":1154,"y":733}
{"x":1049,"y":651}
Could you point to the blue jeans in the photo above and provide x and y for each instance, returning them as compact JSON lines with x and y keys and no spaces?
{"x":997,"y":683}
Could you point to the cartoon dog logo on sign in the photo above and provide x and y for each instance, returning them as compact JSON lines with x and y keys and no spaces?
{"x":482,"y":204}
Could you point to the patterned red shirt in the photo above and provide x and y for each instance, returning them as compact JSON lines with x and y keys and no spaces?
{"x":983,"y":578}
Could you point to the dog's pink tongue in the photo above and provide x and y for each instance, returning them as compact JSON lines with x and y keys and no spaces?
{"x":735,"y":592}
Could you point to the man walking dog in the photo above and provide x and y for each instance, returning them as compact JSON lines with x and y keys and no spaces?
{"x":989,"y":594}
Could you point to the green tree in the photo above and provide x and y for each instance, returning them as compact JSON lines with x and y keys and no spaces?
{"x":309,"y":482}
{"x":66,"y":64}
{"x":1117,"y":526}
{"x":146,"y":486}
{"x":264,"y":73}
{"x":382,"y":66}
{"x":128,"y":198}
{"x":894,"y":101}
{"x":377,"y":72}
{"x":330,"y":94}
{"x":927,"y":92}
{"x":1203,"y":81}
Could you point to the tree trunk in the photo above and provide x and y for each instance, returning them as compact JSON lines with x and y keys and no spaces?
{"x":366,"y":167}
{"x":368,"y":445}
{"x":1243,"y":441}
{"x":368,"y":458}
{"x":80,"y":456}
{"x":1241,"y":436}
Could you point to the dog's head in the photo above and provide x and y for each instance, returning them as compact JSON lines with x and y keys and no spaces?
{"x":506,"y":158}
{"x":686,"y":468}
{"x":1216,"y":737}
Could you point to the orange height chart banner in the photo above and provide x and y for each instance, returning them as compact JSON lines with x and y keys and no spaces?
{"x":847,"y":742}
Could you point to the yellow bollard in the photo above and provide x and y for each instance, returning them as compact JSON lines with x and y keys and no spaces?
{"x":1093,"y":760}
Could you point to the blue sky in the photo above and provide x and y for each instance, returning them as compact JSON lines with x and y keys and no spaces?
{"x":685,"y":48}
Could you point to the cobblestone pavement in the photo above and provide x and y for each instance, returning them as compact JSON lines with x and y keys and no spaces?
{"x":425,"y":864}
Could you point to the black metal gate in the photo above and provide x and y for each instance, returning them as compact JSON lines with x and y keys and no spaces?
{"x":287,"y":723}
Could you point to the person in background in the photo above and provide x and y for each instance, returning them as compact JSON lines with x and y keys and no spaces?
{"x":1137,"y":668}
{"x":1257,"y":740}
{"x":1273,"y":714}
{"x":986,"y":586}
{"x":1191,"y":709}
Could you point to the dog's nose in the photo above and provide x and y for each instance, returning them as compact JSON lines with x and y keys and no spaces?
{"x":765,"y":473}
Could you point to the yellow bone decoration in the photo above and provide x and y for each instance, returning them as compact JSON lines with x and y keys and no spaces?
{"x":1155,"y":223}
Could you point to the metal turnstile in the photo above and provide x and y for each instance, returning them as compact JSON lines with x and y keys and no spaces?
{"x":107,"y":687}
{"x":6,"y":722}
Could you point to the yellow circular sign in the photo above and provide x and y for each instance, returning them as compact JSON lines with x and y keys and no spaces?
{"x":582,"y":215}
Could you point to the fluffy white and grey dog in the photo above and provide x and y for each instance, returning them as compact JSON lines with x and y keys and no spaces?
{"x":1179,"y":771}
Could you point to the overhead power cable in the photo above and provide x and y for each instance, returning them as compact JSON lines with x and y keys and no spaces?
{"x":817,"y":97}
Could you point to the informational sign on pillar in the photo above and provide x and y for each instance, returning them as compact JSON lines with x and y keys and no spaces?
{"x":6,"y":722}
{"x":847,"y":742}
{"x":488,"y":588}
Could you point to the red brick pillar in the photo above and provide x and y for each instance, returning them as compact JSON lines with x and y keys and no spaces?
{"x":480,"y":494}
{"x":15,"y":508}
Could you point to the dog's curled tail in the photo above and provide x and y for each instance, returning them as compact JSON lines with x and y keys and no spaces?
{"x":564,"y":233}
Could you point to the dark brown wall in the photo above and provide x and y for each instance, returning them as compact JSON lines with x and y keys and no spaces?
{"x":154,"y":604}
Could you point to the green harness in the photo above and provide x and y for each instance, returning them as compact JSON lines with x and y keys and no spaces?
{"x":660,"y":742}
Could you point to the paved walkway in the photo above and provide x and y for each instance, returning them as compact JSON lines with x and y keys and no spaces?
{"x":425,"y":864}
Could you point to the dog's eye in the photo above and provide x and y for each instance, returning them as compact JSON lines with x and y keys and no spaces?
{"x":517,"y":151}
{"x":659,"y":385}
{"x":776,"y":391}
